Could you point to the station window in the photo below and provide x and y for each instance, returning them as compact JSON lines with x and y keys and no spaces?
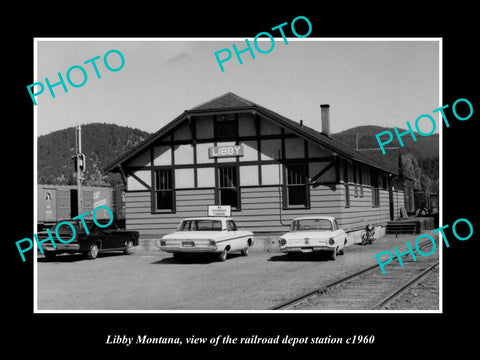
{"x":355,"y":180}
{"x":295,"y":189}
{"x":346,"y":168}
{"x":164,"y":199}
{"x":360,"y":180}
{"x":375,"y":189}
{"x":384,"y":182}
{"x":226,"y":128}
{"x":228,"y":190}
{"x":347,"y":195}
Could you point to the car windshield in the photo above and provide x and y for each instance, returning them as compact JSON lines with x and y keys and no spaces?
{"x":200,"y":225}
{"x":311,"y":224}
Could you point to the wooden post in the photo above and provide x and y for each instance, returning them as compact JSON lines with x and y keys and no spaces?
{"x":79,"y":156}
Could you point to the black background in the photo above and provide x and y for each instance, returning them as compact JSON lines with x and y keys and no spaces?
{"x":60,"y":335}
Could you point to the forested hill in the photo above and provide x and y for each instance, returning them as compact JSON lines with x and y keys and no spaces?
{"x":424,"y":147}
{"x":420,"y":159}
{"x":101,"y":144}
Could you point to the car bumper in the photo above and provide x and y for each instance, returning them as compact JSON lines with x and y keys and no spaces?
{"x":192,"y":249}
{"x":307,"y":249}
{"x":61,"y":247}
{"x":187,"y":246}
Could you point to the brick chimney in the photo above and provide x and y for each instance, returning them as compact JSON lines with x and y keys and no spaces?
{"x":325,"y":113}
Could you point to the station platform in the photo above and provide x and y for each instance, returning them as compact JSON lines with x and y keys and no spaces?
{"x":410,"y":225}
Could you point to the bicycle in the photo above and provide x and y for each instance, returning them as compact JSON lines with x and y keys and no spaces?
{"x":368,"y":235}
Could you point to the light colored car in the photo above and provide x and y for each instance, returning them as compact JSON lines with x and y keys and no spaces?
{"x":314,"y":233}
{"x":207,"y":235}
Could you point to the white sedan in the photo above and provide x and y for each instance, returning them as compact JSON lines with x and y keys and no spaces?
{"x":207,"y":235}
{"x":314,"y":233}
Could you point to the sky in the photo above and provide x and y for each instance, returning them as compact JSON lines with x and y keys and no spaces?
{"x":382,"y":82}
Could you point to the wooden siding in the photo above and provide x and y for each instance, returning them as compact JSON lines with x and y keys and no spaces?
{"x":261,"y":209}
{"x":139,"y":217}
{"x":361,"y":212}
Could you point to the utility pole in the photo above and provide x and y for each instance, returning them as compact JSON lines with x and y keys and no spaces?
{"x":80,"y":162}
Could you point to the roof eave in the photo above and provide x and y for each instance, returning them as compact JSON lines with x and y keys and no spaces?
{"x":205,"y":112}
{"x":145,"y":144}
{"x":318,"y":141}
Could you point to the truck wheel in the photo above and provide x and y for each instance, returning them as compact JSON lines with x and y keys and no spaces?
{"x":223,"y":255}
{"x":129,"y":248}
{"x":93,"y":252}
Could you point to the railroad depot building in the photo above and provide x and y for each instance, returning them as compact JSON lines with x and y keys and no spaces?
{"x":269,"y":169}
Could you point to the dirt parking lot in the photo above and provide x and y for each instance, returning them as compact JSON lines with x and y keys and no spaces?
{"x":153,"y":280}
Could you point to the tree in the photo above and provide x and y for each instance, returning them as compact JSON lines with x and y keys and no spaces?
{"x":411,"y":169}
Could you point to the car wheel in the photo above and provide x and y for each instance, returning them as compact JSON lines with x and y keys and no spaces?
{"x":223,"y":255}
{"x":129,"y":248}
{"x":341,"y":252}
{"x":49,"y":255}
{"x":245,"y":251}
{"x":93,"y":252}
{"x":333,"y":254}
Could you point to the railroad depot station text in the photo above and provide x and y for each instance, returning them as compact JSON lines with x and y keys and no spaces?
{"x":231,"y":340}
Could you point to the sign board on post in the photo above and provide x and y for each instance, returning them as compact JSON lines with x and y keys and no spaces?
{"x":219,"y":210}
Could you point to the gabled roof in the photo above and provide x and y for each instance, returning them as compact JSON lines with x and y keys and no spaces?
{"x":225,"y":101}
{"x":232,"y":102}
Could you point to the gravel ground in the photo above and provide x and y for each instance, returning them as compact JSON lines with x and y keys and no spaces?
{"x":422,"y":296}
{"x":151,"y":280}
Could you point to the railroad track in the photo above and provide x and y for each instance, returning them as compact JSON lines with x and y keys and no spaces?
{"x":367,"y":289}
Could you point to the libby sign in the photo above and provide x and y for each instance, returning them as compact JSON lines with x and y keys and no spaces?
{"x":225,"y":151}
